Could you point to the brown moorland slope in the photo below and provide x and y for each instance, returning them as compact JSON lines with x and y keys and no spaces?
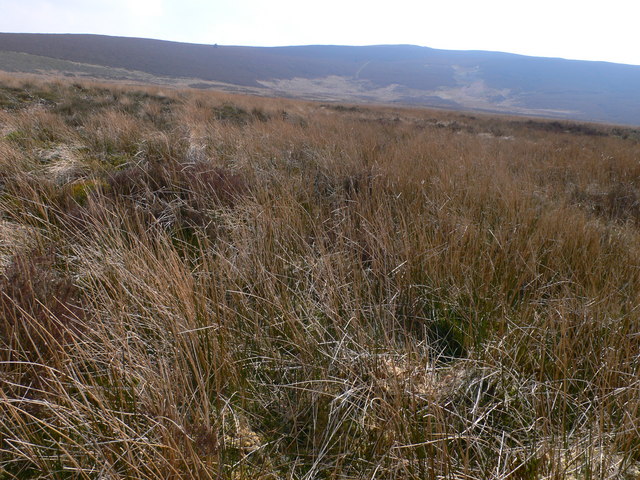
{"x":201,"y":285}
{"x":392,"y":74}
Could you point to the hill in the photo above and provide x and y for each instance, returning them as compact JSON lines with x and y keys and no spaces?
{"x":401,"y":74}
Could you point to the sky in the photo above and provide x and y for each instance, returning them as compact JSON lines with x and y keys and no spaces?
{"x":576,"y":29}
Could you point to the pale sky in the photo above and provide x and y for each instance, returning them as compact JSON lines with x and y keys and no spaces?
{"x":579,"y":29}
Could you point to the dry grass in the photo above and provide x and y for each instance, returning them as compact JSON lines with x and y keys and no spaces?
{"x":208,"y":286}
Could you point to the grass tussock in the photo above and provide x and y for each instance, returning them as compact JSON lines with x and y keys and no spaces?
{"x":199,"y":285}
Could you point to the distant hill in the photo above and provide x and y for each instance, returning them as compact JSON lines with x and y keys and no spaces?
{"x":400,"y":74}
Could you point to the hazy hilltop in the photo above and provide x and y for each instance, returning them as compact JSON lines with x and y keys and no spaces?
{"x":402,"y":74}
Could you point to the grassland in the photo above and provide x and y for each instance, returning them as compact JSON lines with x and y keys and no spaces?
{"x":200,"y":285}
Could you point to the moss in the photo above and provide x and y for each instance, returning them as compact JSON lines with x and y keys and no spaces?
{"x":118,"y":159}
{"x":80,"y":191}
{"x":16,"y":136}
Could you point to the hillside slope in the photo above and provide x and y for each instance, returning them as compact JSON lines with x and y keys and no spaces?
{"x":203,"y":286}
{"x":403,"y":74}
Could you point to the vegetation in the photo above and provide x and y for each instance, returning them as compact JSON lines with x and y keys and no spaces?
{"x":401,"y":74}
{"x":199,"y":285}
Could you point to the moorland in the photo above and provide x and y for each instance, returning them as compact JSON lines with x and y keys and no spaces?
{"x":406,"y":75}
{"x":204,"y":285}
